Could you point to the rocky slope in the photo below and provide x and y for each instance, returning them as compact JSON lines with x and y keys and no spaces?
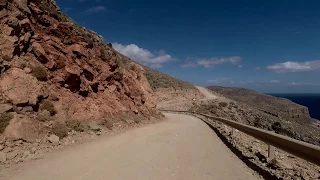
{"x":54,"y":70}
{"x":170,"y":90}
{"x":263,"y":111}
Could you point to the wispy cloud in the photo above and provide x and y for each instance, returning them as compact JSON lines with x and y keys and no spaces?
{"x":292,"y":67}
{"x":143,"y":56}
{"x":230,"y":82}
{"x":219,"y":81}
{"x":67,"y":9}
{"x":208,"y":63}
{"x":96,"y":9}
{"x":257,"y":68}
{"x":303,"y":84}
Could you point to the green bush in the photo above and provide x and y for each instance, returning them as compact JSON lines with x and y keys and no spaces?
{"x":5,"y":119}
{"x":60,"y":129}
{"x":77,"y":125}
{"x":40,"y":73}
{"x":107,"y":123}
{"x":47,"y":105}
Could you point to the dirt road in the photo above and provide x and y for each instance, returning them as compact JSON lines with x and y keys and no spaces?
{"x":182,"y":147}
{"x":207,"y":94}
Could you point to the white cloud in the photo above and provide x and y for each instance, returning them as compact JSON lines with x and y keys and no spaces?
{"x":208,"y":63}
{"x":96,"y":9}
{"x":221,"y":81}
{"x":295,"y":66}
{"x":303,"y":84}
{"x":143,"y":56}
{"x":240,"y":66}
{"x":257,"y":68}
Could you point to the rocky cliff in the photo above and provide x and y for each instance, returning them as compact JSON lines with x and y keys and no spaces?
{"x":51,"y":68}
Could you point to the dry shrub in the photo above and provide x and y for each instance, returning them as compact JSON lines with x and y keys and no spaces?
{"x":60,"y":129}
{"x":47,"y":105}
{"x":77,"y":125}
{"x":40,"y":73}
{"x":44,"y":116}
{"x":6,"y":58}
{"x":107,"y":123}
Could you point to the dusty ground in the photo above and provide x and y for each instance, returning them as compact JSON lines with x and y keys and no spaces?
{"x":16,"y":151}
{"x":183,"y":147}
{"x":207,"y":94}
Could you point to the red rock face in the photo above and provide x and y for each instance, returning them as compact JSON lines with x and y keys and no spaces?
{"x":90,"y":78}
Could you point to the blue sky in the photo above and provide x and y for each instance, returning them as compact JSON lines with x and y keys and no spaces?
{"x":271,"y":46}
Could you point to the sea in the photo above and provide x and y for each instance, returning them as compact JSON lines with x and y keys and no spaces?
{"x":312,"y":101}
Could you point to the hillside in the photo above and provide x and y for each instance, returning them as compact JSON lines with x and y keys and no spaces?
{"x":159,"y":80}
{"x":267,"y":112}
{"x":53,"y":70}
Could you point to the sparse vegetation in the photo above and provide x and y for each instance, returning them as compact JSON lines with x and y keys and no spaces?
{"x":77,"y":125}
{"x":125,"y":116}
{"x":157,"y":80}
{"x":5,"y":119}
{"x":40,"y":73}
{"x":60,"y":129}
{"x":138,"y":118}
{"x":45,"y":116}
{"x":47,"y":105}
{"x":104,"y":54}
{"x":6,"y":58}
{"x":276,"y":126}
{"x":106,"y":123}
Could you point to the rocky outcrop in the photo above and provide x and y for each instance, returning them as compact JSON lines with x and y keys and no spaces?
{"x":45,"y":55}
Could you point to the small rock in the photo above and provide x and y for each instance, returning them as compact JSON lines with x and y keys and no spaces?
{"x":26,"y":154}
{"x":19,"y":142}
{"x":3,"y":157}
{"x":7,"y":149}
{"x":94,"y":127}
{"x":33,"y":150}
{"x":5,"y":108}
{"x":3,"y":3}
{"x":12,"y":155}
{"x":3,"y":13}
{"x":98,"y":133}
{"x":27,"y":70}
{"x":261,"y":157}
{"x":53,"y":139}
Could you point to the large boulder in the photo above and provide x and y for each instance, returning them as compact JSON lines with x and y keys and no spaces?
{"x":22,"y":127}
{"x":20,"y":88}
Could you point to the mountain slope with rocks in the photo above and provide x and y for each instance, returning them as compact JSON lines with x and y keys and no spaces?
{"x":53,"y":70}
{"x":170,"y":90}
{"x":278,"y":114}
